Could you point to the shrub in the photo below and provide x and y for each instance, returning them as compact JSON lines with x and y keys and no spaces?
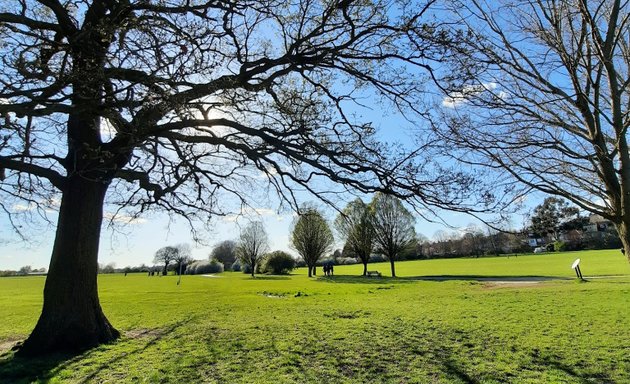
{"x":203,"y":267}
{"x":559,"y":246}
{"x":236,"y":266}
{"x":247,"y":269}
{"x":278,"y":263}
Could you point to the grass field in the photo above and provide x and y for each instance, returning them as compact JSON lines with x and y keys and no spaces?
{"x":349,"y":329}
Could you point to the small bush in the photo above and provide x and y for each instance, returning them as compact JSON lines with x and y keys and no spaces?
{"x":236,"y":266}
{"x":278,"y":263}
{"x":203,"y":267}
{"x":245,"y":268}
{"x":559,"y":246}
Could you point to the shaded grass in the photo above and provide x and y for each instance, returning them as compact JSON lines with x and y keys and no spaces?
{"x":349,"y":329}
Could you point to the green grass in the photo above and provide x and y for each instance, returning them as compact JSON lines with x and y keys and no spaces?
{"x":349,"y":329}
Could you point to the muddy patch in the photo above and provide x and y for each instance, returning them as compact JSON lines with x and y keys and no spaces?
{"x":143,"y":333}
{"x":8,"y":344}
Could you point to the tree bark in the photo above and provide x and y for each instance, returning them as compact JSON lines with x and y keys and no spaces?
{"x":310,"y":270}
{"x":391,"y":262}
{"x":623,"y":229}
{"x":72,"y":319}
{"x":365,"y":268}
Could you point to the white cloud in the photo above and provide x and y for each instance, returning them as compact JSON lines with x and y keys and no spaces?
{"x":50,"y":205}
{"x":457,"y":98}
{"x":22,"y":207}
{"x":123,"y":219}
{"x":249,"y":212}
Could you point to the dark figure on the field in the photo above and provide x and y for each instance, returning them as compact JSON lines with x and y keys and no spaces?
{"x":328,"y":268}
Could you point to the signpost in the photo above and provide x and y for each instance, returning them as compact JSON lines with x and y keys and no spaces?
{"x":576,"y":267}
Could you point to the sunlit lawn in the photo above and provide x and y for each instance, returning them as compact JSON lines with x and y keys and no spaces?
{"x":350,"y":329}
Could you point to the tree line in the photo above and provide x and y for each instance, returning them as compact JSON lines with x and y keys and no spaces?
{"x":383,"y":230}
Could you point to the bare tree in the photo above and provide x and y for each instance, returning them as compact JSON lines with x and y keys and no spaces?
{"x":311,"y":237}
{"x":393,"y":227}
{"x":354,"y":224}
{"x":545,"y":99}
{"x":253,"y":244}
{"x":180,"y":105}
{"x":183,"y":257}
{"x":165,"y":256}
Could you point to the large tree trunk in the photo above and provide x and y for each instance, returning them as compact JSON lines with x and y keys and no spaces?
{"x":391,"y":262}
{"x":72,"y":319}
{"x":310,"y":270}
{"x":623,"y":229}
{"x":365,"y":263}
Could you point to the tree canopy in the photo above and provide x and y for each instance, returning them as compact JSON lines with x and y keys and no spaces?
{"x":355,"y":226}
{"x":548,"y":217}
{"x":253,"y":244}
{"x":311,"y":237}
{"x":393,"y":226}
{"x":540,"y":94}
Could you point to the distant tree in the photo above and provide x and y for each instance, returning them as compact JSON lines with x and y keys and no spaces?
{"x":311,"y":237}
{"x":550,"y":215}
{"x":25,"y":270}
{"x":225,"y":252}
{"x":355,"y":226}
{"x":393,"y":227}
{"x":182,"y":258}
{"x":422,"y":245}
{"x":442,"y":242}
{"x":165,"y":256}
{"x":473,"y":241}
{"x":108,"y":268}
{"x":577,"y":223}
{"x":252,"y":245}
{"x":279,"y":263}
{"x":338,"y":253}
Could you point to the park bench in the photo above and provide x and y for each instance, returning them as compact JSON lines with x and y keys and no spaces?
{"x":373,"y":274}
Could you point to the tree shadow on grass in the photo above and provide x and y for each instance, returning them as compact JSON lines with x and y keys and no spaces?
{"x":270,"y":277}
{"x":551,"y":362}
{"x":489,"y":278}
{"x":354,"y":279}
{"x":14,"y":369}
